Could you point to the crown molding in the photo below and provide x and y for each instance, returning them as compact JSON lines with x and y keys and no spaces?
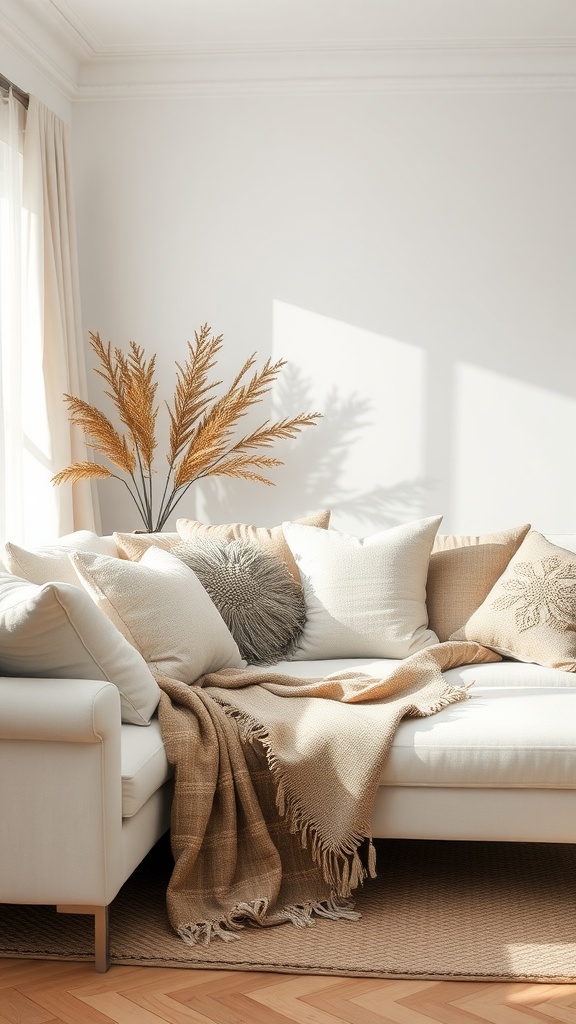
{"x":397,"y":66}
{"x":327,"y":86}
{"x":76,"y":62}
{"x":553,"y":45}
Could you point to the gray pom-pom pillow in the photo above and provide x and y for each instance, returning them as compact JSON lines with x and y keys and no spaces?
{"x":255,"y":593}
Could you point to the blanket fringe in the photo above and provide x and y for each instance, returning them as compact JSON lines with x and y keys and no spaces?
{"x":202,"y":932}
{"x":452,"y":695}
{"x":341,"y":868}
{"x":300,"y":914}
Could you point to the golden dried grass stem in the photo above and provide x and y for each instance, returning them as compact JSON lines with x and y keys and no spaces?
{"x":202,"y":426}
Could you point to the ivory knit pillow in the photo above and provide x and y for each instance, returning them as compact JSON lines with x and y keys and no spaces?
{"x":530,"y":612}
{"x":162,"y":609}
{"x":270,"y":539}
{"x":365,"y":597}
{"x":462,"y":572}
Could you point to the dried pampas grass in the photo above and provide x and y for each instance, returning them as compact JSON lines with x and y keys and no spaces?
{"x":203,"y":428}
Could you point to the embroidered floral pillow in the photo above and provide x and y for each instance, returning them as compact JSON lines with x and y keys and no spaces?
{"x":530,"y":613}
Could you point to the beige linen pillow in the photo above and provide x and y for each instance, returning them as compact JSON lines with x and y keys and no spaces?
{"x":56,"y":631}
{"x":271,"y":539}
{"x":530,"y":612}
{"x":162,"y":609}
{"x":365,"y":597}
{"x":50,"y":563}
{"x":462,"y":571}
{"x":133,"y":545}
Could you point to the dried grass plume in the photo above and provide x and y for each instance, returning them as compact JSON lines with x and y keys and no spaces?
{"x":203,"y":438}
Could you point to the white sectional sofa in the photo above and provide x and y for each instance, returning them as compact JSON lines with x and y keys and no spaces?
{"x":84,"y":795}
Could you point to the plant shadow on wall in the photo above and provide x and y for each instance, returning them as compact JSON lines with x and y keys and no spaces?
{"x":206,"y":438}
{"x":320,"y":459}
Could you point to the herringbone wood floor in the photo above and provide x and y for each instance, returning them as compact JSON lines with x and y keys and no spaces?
{"x":35,"y":992}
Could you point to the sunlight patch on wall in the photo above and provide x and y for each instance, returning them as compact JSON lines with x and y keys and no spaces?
{"x":512,"y":454}
{"x":366,"y":458}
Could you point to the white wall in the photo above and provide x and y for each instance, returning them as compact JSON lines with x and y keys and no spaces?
{"x":412,"y":255}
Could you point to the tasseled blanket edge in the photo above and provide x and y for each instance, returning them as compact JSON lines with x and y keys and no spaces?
{"x":301,"y":915}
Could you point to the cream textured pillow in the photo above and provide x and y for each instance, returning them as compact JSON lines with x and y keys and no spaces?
{"x":365,"y":597}
{"x":530,"y":613}
{"x":133,"y":545}
{"x":161,"y":608}
{"x":270,"y":539}
{"x":50,"y":564}
{"x":56,"y":631}
{"x":462,"y":572}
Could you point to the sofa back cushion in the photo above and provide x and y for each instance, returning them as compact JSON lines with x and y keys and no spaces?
{"x":463,"y":570}
{"x":55,"y":630}
{"x":133,"y":545}
{"x":271,"y":539}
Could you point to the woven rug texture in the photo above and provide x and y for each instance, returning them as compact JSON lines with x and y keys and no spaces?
{"x":436,"y":911}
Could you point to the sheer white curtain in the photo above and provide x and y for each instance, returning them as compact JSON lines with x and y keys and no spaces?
{"x":41,"y":347}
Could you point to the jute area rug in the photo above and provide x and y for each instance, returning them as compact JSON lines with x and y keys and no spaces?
{"x":437,"y":911}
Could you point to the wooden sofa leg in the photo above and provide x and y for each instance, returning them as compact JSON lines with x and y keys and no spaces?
{"x":101,"y":917}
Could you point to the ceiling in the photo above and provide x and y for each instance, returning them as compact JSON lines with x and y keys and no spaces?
{"x":98,"y":47}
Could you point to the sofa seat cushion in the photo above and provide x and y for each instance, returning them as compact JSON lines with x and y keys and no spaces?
{"x":510,"y":675}
{"x":144,"y":763}
{"x":516,"y":731}
{"x":505,"y":673}
{"x":505,"y":739}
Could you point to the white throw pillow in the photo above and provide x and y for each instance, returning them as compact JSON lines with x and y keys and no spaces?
{"x":50,"y":563}
{"x":56,"y":631}
{"x":365,"y":596}
{"x":162,"y":608}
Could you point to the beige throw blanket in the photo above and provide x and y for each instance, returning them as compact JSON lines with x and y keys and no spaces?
{"x":275,"y":779}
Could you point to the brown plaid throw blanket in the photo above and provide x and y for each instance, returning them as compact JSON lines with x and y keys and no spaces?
{"x":275,"y":779}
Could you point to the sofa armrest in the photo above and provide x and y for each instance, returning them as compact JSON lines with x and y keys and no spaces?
{"x":60,"y":791}
{"x":63,"y":710}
